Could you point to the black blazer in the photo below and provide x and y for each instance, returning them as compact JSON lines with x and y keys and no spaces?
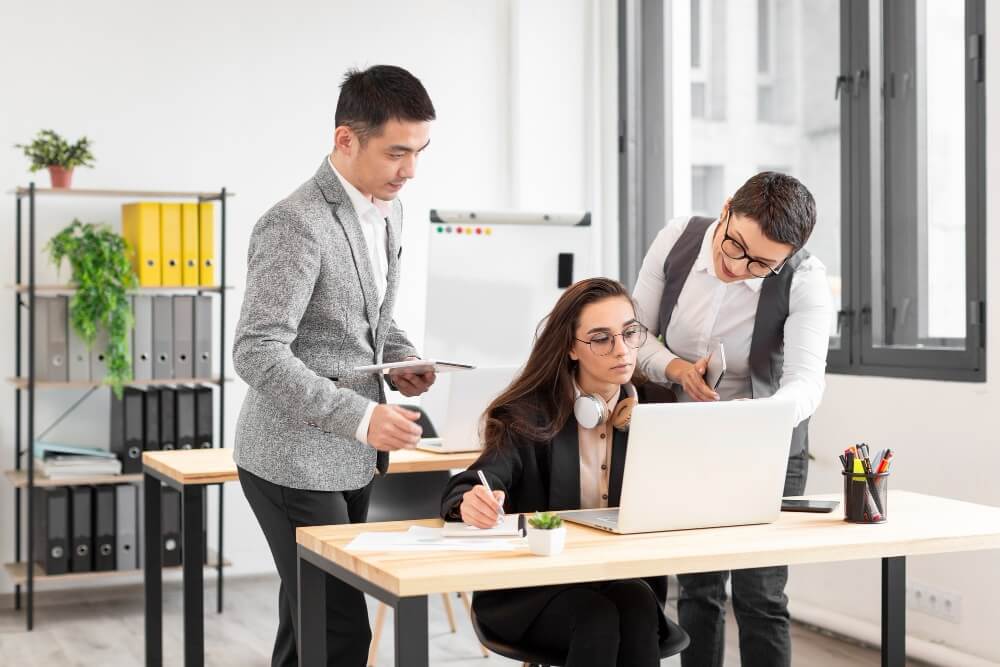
{"x":535,"y":476}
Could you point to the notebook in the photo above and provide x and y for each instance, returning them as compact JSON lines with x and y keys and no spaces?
{"x":509,"y":527}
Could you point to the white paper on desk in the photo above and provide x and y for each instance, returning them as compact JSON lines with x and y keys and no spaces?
{"x":422,"y":538}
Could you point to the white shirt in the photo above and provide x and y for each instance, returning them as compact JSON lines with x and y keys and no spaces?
{"x":709,"y":308}
{"x":372,"y":214}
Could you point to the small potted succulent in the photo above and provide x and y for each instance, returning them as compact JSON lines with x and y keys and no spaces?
{"x":50,"y":151}
{"x":546,"y":534}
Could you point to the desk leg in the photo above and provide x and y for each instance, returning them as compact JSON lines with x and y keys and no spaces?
{"x":894,"y":611}
{"x":152,"y":553}
{"x":312,"y":615}
{"x":411,"y":632}
{"x":194,"y":572}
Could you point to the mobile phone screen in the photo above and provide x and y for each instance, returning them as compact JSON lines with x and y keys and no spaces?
{"x":716,"y":364}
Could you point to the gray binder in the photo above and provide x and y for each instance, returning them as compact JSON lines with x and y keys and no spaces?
{"x":183,"y":336}
{"x":203,"y":337}
{"x":58,"y":333}
{"x":79,"y":357}
{"x":127,"y":526}
{"x":41,"y":340}
{"x":51,"y":339}
{"x":98,"y":356}
{"x":163,"y":337}
{"x":142,"y":338}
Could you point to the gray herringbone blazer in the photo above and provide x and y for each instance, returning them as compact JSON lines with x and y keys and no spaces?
{"x":310,"y":315}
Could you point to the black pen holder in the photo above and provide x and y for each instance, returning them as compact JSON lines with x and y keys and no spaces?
{"x":866,"y":497}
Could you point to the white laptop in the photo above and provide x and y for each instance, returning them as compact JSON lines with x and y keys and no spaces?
{"x":700,"y":465}
{"x":469,"y":394}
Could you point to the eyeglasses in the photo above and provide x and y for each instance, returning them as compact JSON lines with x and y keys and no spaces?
{"x":603,"y":344}
{"x":733,"y":249}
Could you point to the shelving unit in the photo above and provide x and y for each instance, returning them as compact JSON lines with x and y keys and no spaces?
{"x":22,"y":477}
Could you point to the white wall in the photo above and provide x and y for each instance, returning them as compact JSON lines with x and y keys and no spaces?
{"x":203,"y":95}
{"x":946,"y":434}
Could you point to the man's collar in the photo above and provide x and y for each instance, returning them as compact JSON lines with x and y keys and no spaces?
{"x":361,"y":203}
{"x":705,"y":261}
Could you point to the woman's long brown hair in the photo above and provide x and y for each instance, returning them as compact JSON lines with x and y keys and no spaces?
{"x":539,"y":401}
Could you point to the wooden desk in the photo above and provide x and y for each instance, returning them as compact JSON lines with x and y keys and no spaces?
{"x":918,"y":524}
{"x":190,"y":471}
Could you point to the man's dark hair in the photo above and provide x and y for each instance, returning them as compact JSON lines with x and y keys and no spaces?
{"x":369,"y":98}
{"x":780,"y":204}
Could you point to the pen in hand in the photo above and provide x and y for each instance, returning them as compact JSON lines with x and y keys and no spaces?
{"x":486,"y":485}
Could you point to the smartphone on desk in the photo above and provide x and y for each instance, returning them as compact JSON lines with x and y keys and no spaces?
{"x":716,"y":365}
{"x":801,"y":505}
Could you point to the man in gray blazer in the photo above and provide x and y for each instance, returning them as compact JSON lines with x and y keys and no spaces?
{"x":322,"y":277}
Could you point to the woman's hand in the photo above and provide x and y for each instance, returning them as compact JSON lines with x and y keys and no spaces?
{"x":479,"y":508}
{"x":692,"y":378}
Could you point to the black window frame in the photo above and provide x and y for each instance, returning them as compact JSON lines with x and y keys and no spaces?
{"x":642,"y":83}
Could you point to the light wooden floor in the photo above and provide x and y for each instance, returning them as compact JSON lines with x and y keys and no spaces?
{"x":80,"y":628}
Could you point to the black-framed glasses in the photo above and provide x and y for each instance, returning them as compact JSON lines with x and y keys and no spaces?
{"x":602,"y":344}
{"x":733,"y":249}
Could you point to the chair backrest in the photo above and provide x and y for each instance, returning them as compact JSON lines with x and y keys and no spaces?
{"x":412,"y":495}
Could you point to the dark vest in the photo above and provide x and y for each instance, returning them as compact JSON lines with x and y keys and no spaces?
{"x":767,"y":345}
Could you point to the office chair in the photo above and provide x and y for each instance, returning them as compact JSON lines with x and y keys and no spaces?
{"x":676,"y":641}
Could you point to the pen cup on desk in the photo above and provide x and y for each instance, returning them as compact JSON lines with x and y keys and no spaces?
{"x":865,"y":497}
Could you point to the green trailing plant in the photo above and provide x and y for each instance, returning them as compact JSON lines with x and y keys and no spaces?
{"x":48,"y":149}
{"x":103,"y":275}
{"x":545,"y":521}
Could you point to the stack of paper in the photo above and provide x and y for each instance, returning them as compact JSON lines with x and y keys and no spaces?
{"x":69,"y":461}
{"x":421,"y":538}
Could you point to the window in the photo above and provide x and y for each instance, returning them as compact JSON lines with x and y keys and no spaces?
{"x":917,"y":305}
{"x":707,"y":193}
{"x":895,"y":159}
{"x":707,"y":34}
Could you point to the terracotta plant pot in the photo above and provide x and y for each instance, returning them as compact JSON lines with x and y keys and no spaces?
{"x":61,"y":177}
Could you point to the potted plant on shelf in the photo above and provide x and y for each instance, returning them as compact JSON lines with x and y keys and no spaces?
{"x":546,"y":534}
{"x":51,"y":151}
{"x":102,"y":276}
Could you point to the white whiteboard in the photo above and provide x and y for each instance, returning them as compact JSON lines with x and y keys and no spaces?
{"x":489,"y":286}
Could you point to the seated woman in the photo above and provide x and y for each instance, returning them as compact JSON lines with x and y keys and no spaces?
{"x":555,"y":440}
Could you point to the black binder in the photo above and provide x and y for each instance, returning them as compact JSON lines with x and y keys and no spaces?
{"x":104,"y":528}
{"x":151,"y":427}
{"x":168,"y":418}
{"x":82,"y":557}
{"x":127,"y":429}
{"x":203,"y":417}
{"x":185,"y":418}
{"x":170,"y":512}
{"x":51,"y":516}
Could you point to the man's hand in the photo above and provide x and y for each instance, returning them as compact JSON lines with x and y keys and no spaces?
{"x":392,"y":427}
{"x":479,"y":508}
{"x":413,"y":384}
{"x":692,"y":378}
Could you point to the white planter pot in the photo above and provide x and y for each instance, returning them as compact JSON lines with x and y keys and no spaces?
{"x":546,"y":542}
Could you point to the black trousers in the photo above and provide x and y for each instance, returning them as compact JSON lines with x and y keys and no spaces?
{"x":601,"y":624}
{"x":759,"y":604}
{"x":280,"y":510}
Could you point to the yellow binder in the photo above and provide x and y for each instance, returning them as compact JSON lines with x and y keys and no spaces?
{"x":189,"y":244}
{"x":170,"y":244}
{"x":206,"y":243}
{"x":141,"y":229}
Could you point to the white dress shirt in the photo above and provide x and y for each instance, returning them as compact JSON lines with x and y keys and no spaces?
{"x":709,"y":309}
{"x":372,"y":214}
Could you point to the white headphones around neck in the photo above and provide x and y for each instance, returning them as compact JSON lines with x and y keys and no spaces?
{"x":591,"y":410}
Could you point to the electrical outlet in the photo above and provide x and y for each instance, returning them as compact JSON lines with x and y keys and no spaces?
{"x":946,"y":605}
